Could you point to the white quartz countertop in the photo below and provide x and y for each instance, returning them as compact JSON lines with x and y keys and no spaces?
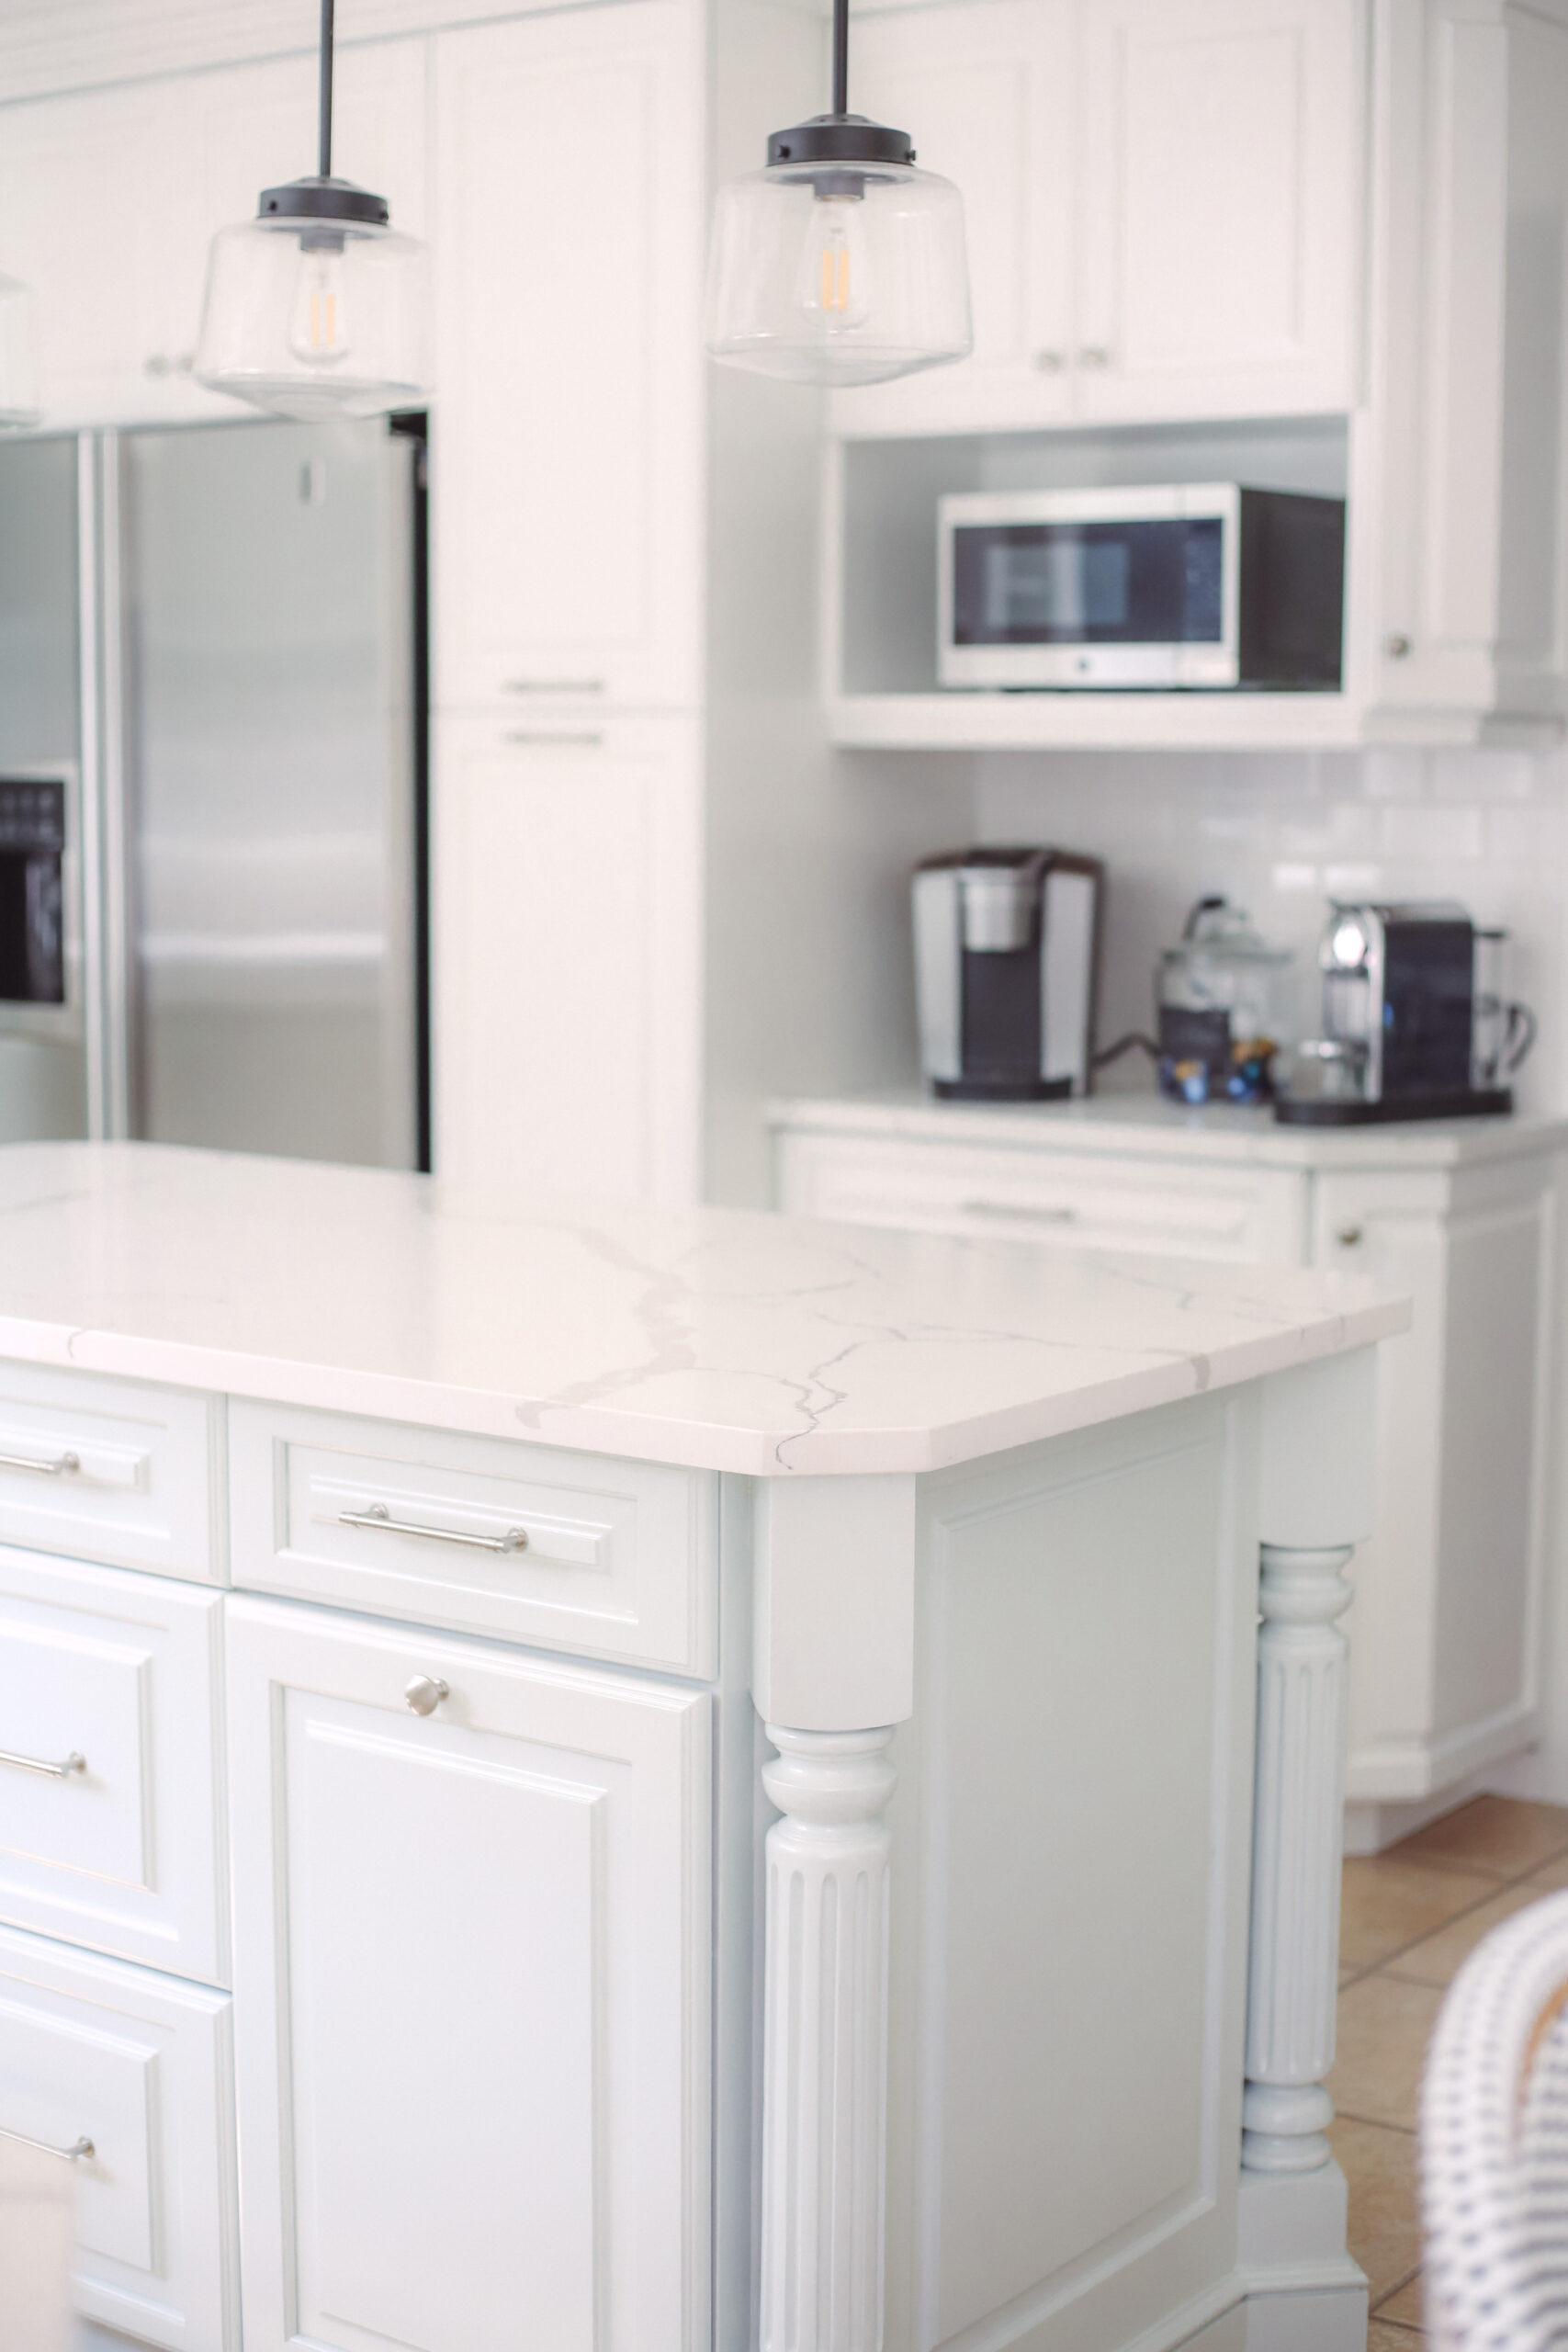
{"x":1148,"y":1126}
{"x":717,"y":1339}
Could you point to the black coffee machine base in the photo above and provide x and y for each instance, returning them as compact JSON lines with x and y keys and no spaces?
{"x":1459,"y":1103}
{"x":1002,"y":1089}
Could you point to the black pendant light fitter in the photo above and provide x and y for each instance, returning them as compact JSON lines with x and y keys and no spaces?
{"x":839,"y":263}
{"x":318,"y":307}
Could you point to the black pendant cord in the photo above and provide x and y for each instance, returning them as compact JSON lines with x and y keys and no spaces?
{"x":326,"y":138}
{"x":840,"y":56}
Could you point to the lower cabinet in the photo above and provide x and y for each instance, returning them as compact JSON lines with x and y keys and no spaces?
{"x":472,"y":1939}
{"x":1449,"y":1586}
{"x":138,"y":2064}
{"x":1443,"y":1629}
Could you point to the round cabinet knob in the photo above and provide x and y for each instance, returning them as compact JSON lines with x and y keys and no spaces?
{"x":1398,"y":647}
{"x":1094,"y":355}
{"x":1350,"y":1237}
{"x":1050,"y":362}
{"x":425,"y":1692}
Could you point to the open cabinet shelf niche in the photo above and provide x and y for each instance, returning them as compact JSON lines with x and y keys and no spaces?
{"x":880,"y":654}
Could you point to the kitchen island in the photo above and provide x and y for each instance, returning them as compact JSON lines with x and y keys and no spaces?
{"x":667,"y":1780}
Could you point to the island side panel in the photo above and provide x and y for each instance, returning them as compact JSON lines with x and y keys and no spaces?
{"x":1070,"y":1876}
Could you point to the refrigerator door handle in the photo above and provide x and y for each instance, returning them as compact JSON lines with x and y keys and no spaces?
{"x":105,"y":954}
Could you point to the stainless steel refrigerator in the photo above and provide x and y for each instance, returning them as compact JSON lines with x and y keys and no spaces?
{"x":212,"y":804}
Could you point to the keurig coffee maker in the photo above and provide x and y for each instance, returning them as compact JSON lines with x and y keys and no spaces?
{"x":1006,"y":952}
{"x":1415,"y":1021}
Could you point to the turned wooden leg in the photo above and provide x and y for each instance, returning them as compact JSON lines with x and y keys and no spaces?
{"x":1297,"y":1830}
{"x":825,"y":2047}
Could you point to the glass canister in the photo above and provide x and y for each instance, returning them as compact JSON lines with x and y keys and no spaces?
{"x":1223,"y":1004}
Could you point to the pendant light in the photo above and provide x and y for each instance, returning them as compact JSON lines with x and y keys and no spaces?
{"x":20,"y":401}
{"x":839,"y":263}
{"x":317,"y":306}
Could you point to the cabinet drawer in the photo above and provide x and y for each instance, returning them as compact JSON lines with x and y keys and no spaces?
{"x":138,"y":2065}
{"x":122,"y":1850}
{"x":1244,"y":1216}
{"x":567,"y":1551}
{"x":109,"y":1470}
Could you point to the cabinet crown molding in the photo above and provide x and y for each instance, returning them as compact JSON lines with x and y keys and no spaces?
{"x":53,"y":46}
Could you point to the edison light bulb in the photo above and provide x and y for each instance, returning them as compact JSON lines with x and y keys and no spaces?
{"x":317,"y":325}
{"x":834,"y":285}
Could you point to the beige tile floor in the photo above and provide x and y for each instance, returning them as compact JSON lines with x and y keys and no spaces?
{"x":1410,"y":1916}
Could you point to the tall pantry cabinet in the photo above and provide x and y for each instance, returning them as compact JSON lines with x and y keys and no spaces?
{"x":568,"y":505}
{"x":623,"y":663}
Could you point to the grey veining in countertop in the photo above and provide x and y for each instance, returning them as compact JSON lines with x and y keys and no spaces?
{"x":716,"y":1337}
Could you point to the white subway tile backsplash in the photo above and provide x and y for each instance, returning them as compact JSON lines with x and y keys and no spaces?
{"x":1421,"y":833}
{"x":1281,"y":832}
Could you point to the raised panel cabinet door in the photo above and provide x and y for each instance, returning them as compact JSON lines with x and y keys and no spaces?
{"x":568,"y":959}
{"x":472,"y":2003}
{"x":1220,"y":248}
{"x":568,"y":492}
{"x":1443,"y":1631}
{"x":985,"y":88}
{"x":140,"y":2065}
{"x":86,"y":189}
{"x":111,"y":1764}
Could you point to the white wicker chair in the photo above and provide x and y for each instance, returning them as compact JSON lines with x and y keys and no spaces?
{"x":1494,"y":2144}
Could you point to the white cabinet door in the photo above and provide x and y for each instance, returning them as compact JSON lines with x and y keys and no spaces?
{"x":139,"y":2064}
{"x":473,"y":1999}
{"x":569,"y":956}
{"x":985,"y":88}
{"x":87,"y":189}
{"x":1443,"y":1630}
{"x":566,"y":486}
{"x":1220,"y":206}
{"x":123,"y":1850}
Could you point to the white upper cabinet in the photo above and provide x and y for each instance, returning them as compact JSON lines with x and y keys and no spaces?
{"x":108,"y":200}
{"x":568,"y":497}
{"x":985,"y":89}
{"x":88,"y":201}
{"x":1220,"y":170}
{"x":1162,"y":200}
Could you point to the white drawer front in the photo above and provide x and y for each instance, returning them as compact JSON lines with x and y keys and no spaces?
{"x":1076,"y":1201}
{"x":138,"y":2065}
{"x":567,"y":1551}
{"x":109,"y":1470}
{"x":120,"y":1850}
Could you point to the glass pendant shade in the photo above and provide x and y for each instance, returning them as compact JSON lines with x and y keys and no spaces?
{"x":838,"y":276}
{"x":20,"y":395}
{"x":314,"y":317}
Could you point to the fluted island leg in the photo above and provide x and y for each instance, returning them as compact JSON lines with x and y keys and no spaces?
{"x":1297,"y":1833}
{"x":825,"y":2051}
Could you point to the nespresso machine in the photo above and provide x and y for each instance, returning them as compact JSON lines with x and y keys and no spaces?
{"x":1415,"y":1025}
{"x":1007,"y":945}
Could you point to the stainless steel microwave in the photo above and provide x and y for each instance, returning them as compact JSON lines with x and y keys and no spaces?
{"x":1200,"y":584}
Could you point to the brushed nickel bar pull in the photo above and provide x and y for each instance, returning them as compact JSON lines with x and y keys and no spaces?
{"x":64,"y":1465}
{"x":555,"y":685}
{"x":73,"y":1763}
{"x":1018,"y":1209}
{"x":376,"y":1515}
{"x":71,"y":2155}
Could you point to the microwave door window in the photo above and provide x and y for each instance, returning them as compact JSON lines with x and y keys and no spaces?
{"x":1088,"y":583}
